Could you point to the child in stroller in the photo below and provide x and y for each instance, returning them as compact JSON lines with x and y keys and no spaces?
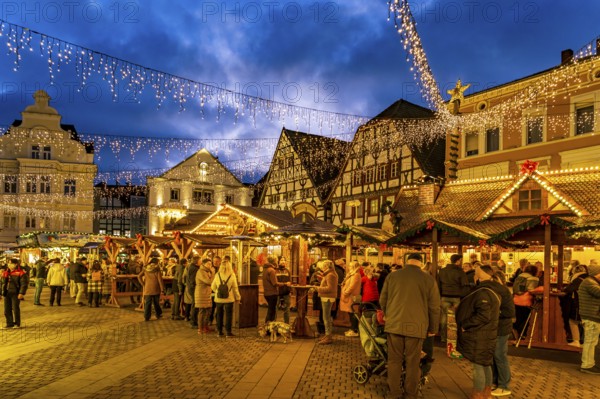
{"x":374,"y":341}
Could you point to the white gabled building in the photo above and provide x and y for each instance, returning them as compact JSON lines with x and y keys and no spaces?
{"x":186,"y":194}
{"x":46,"y":173}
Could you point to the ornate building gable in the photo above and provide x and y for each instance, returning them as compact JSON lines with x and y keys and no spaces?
{"x":379,"y":162}
{"x":303,"y":169}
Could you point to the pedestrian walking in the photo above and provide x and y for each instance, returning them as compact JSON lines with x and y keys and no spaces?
{"x":150,"y":278}
{"x":410,"y":301}
{"x":589,"y":309}
{"x":13,"y":285}
{"x":477,"y":317}
{"x":350,"y":294}
{"x":41,"y":272}
{"x":80,"y":279}
{"x":56,"y":280}
{"x":328,"y":293}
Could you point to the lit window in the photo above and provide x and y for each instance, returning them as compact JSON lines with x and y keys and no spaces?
{"x":10,"y":184}
{"x":30,"y":222}
{"x":69,"y":224}
{"x":370,"y":175}
{"x":70,"y":187}
{"x":35,"y":152}
{"x":381,"y":172}
{"x":10,"y":220}
{"x":31,"y":184}
{"x":174,"y":195}
{"x":203,"y":171}
{"x":373,"y":207}
{"x":45,"y":185}
{"x":44,"y":223}
{"x":471,"y":144}
{"x":535,"y":129}
{"x":208,"y":197}
{"x":492,"y":140}
{"x":584,"y":119}
{"x":530,"y":200}
{"x":357,"y":178}
{"x":116,"y":233}
{"x":290,"y":162}
{"x":197,"y":196}
{"x":127,"y":233}
{"x":102,"y":231}
{"x":394,"y":170}
{"x":47,"y":152}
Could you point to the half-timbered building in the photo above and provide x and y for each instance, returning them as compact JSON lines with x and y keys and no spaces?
{"x":379,"y":164}
{"x":303,"y":169}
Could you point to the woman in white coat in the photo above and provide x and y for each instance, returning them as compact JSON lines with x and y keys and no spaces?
{"x":225,"y":297}
{"x":56,"y":280}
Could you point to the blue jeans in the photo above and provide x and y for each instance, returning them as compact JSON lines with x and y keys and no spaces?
{"x":326,"y":306}
{"x":39,"y":285}
{"x":286,"y":308}
{"x":150,"y":300}
{"x":501,"y":367}
{"x":224,"y":310}
{"x":482,"y":377}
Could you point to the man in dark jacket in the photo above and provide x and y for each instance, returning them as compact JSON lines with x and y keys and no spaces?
{"x":270,"y":288}
{"x":454,"y":284}
{"x":81,"y":281}
{"x":589,"y":309}
{"x":190,"y":286}
{"x":41,"y":272}
{"x":178,"y":290}
{"x":13,"y":286}
{"x":501,"y":367}
{"x":477,"y":319}
{"x":411,"y":303}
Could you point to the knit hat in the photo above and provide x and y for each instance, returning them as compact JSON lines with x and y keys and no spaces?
{"x":415,"y":256}
{"x":455,"y":258}
{"x":593,"y":270}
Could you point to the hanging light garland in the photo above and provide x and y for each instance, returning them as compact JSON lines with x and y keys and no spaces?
{"x":137,"y":78}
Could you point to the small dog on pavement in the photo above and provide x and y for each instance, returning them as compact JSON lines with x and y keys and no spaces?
{"x":275,"y":329}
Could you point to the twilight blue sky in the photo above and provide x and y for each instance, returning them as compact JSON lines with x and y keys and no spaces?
{"x":337,"y":56}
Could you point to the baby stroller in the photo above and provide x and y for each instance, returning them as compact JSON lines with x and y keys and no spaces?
{"x":374,"y":341}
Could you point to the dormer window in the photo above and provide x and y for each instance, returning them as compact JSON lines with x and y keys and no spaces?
{"x":203,"y":171}
{"x":530,"y":200}
{"x":35,"y":152}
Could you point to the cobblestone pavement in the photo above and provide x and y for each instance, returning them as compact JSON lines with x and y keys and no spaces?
{"x":82,"y":352}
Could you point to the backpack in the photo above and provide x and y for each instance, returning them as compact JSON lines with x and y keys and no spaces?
{"x":223,"y":289}
{"x":97,"y":276}
{"x":520,"y":285}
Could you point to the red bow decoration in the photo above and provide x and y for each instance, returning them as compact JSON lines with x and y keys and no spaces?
{"x":430,"y":225}
{"x":528,"y":167}
{"x":177,"y":236}
{"x":545,"y":219}
{"x":139,"y":239}
{"x":383,"y":247}
{"x":483,"y":243}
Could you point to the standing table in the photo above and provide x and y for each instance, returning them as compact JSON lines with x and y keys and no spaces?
{"x":302,"y":328}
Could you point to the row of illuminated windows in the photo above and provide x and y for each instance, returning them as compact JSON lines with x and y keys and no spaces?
{"x":199,"y":196}
{"x":371,"y":206}
{"x":9,"y":221}
{"x":115,"y":232}
{"x":534,"y":126}
{"x":290,"y":196}
{"x":36,"y":184}
{"x":375,"y":173}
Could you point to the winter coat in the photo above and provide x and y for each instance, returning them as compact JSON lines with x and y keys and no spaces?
{"x":589,"y":299}
{"x":453,"y":282}
{"x":41,"y":269}
{"x":269,"y":280}
{"x":14,"y":282}
{"x":204,"y":279}
{"x":369,"y":289}
{"x":177,"y":278}
{"x":283,"y":276}
{"x":189,"y":281}
{"x":151,"y":279}
{"x":569,"y":303}
{"x":95,"y":286}
{"x":107,"y":283}
{"x":234,"y":293}
{"x":79,"y":273}
{"x":477,"y":319}
{"x":507,"y":308}
{"x":410,"y":286}
{"x":350,"y":290}
{"x":57,"y":276}
{"x":329,"y":285}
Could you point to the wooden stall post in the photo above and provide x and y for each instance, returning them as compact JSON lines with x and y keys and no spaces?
{"x":434,"y":253}
{"x":547,"y":271}
{"x":349,"y":247}
{"x":560,"y":266}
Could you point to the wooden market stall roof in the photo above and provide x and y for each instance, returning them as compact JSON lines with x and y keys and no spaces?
{"x":371,"y":234}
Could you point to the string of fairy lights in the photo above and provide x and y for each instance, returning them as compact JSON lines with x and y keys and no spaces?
{"x":506,"y":109}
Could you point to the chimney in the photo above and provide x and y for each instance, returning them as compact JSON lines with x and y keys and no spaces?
{"x":566,"y":56}
{"x":428,"y":193}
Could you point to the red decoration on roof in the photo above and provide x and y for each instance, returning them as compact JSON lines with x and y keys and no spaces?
{"x":483,"y":243}
{"x":528,"y":167}
{"x":430,"y":225}
{"x":140,"y":239}
{"x":544,"y":219}
{"x":177,"y":236}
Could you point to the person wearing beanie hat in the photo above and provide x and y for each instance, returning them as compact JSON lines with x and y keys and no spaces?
{"x":151,"y":279}
{"x":589,"y":305}
{"x":454,"y":284}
